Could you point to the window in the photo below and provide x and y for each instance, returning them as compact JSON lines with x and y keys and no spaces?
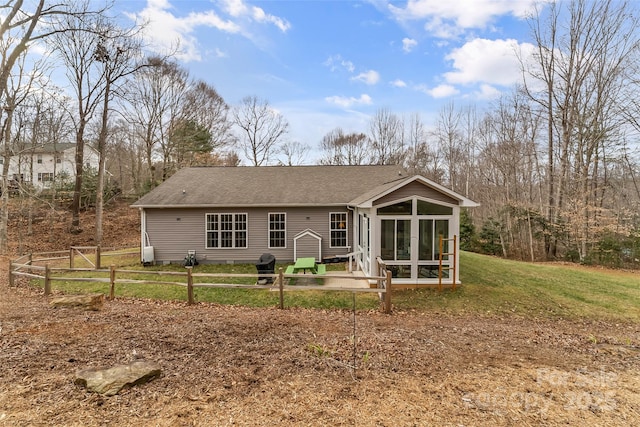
{"x":402,"y":208}
{"x":58,"y":158}
{"x":277,"y":230}
{"x":395,"y":239}
{"x":45,"y":177}
{"x":39,"y":159}
{"x":338,"y":228}
{"x":227,"y":230}
{"x":426,"y":208}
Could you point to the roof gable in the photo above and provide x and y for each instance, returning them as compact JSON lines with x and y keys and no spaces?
{"x":370,"y":198}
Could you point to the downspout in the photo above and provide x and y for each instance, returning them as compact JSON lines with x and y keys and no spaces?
{"x":354,"y":237}
{"x":144,"y":237}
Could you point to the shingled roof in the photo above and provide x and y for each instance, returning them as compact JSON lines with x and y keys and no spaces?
{"x":269,"y":186}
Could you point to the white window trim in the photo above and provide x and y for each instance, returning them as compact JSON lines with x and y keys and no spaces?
{"x":269,"y":230}
{"x":346,"y":228}
{"x":48,"y":175}
{"x":206,"y":231}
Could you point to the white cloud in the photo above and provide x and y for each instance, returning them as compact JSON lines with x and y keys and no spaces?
{"x":238,"y":8}
{"x":347,"y":102}
{"x":370,"y":77}
{"x":165,"y":31}
{"x":487,"y":61}
{"x":408,"y":44}
{"x":487,"y":92}
{"x":398,"y":83}
{"x":449,"y":18}
{"x":440,"y":91}
{"x":336,"y":61}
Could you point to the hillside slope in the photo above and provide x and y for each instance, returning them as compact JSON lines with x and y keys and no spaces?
{"x":50,"y":229}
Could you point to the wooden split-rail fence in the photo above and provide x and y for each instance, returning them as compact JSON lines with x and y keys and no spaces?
{"x":30,"y":266}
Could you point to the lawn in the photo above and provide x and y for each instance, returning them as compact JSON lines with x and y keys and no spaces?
{"x":246,"y":275}
{"x":495,"y":286}
{"x":490,"y":286}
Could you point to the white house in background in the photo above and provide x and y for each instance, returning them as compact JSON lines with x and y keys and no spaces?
{"x":40,"y":164}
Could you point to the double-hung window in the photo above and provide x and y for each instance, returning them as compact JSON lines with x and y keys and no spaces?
{"x":45,"y":176}
{"x":277,"y":230}
{"x":338,"y":229}
{"x":226,"y":230}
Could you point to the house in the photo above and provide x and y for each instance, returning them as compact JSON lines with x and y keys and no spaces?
{"x":40,"y":164}
{"x":235,"y":214}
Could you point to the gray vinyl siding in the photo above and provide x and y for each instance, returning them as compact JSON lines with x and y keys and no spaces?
{"x":307,"y":246}
{"x":172,"y":232}
{"x":415,"y":189}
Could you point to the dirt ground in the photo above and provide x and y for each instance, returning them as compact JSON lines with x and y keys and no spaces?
{"x":227,"y":365}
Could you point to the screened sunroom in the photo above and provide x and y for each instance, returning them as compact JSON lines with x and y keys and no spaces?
{"x":414,"y":229}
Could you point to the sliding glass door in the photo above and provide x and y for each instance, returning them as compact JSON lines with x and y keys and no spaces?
{"x":396,"y":245}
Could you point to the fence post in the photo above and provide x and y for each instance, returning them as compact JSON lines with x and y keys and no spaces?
{"x":47,"y":280}
{"x":281,"y":286}
{"x":189,"y":286}
{"x":71,"y":263}
{"x":98,"y":257}
{"x":112,"y":281}
{"x":387,"y":294}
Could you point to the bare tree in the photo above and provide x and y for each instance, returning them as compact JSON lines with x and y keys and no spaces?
{"x":295,"y":153}
{"x":261,"y":128}
{"x":422,"y":158}
{"x":582,"y":64}
{"x":156,"y":100}
{"x":21,"y":26}
{"x":387,"y":138}
{"x":125,"y":157}
{"x":77,"y":44}
{"x":449,"y":136}
{"x":116,"y":50}
{"x":345,"y":149}
{"x":507,"y":163}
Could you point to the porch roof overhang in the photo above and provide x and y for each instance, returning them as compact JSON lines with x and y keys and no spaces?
{"x":367,"y":200}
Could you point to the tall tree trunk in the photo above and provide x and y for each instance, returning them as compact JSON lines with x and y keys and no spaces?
{"x":102,"y":148}
{"x":4,"y":198}
{"x":77,"y":189}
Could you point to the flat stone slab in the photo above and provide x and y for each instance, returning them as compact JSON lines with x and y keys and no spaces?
{"x":111,"y":381}
{"x":89,"y":301}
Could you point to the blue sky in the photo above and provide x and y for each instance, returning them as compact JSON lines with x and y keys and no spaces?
{"x":330,"y":63}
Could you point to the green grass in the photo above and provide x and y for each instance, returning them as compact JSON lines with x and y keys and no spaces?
{"x":500,"y":287}
{"x":227,"y":296}
{"x":490,"y":286}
